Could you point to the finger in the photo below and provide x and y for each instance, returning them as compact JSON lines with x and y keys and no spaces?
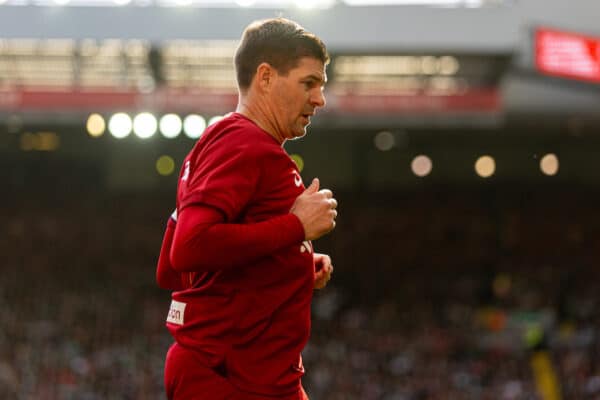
{"x":320,"y":282}
{"x":314,"y":186}
{"x":328,"y":193}
{"x":333,"y":203}
{"x":334,"y":214}
{"x":319,"y":274}
{"x":322,"y":264}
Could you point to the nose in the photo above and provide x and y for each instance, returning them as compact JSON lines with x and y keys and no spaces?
{"x":318,"y":98}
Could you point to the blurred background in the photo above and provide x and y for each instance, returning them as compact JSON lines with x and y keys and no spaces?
{"x":460,"y":137}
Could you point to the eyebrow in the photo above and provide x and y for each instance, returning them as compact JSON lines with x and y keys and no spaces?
{"x":316,"y":78}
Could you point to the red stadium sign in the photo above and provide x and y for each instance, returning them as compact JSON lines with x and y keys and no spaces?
{"x":568,"y":55}
{"x":474,"y":100}
{"x":99,"y":100}
{"x":24,"y":100}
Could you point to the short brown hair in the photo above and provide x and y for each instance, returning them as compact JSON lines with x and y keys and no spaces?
{"x":277,"y":41}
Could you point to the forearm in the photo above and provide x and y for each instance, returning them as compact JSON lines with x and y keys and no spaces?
{"x":166,"y":276}
{"x":204,"y":242}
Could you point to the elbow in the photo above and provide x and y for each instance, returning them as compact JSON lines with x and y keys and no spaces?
{"x":183,"y":262}
{"x":180,"y":264}
{"x":178,"y":257}
{"x":194,"y":251}
{"x":162,"y":280}
{"x":166,"y":277}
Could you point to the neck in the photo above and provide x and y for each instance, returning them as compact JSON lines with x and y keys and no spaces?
{"x":253,"y":108}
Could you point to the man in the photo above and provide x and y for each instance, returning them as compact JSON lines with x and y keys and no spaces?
{"x":237,"y":250}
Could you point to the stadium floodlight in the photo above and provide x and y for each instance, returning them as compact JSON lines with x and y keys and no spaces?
{"x":485,"y":166}
{"x":421,"y":166}
{"x":449,"y":65}
{"x":245,"y":3}
{"x":95,"y":125}
{"x":121,"y":2}
{"x":61,"y":2}
{"x":120,"y":125}
{"x":384,"y":141}
{"x":144,"y":125}
{"x":194,"y":125}
{"x":165,"y":165}
{"x":170,"y":125}
{"x":214,"y":119}
{"x":549,"y":164}
{"x":297,"y":158}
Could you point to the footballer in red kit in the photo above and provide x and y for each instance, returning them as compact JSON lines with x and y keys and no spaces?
{"x":237,"y":252}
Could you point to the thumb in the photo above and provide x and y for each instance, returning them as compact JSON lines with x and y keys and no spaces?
{"x":314,"y":186}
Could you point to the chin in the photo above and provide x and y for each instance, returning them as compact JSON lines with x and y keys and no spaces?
{"x":296,"y":133}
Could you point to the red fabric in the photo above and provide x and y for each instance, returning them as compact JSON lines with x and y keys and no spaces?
{"x":202,"y":242}
{"x":186,"y":378}
{"x":246,"y":302}
{"x":166,"y":276}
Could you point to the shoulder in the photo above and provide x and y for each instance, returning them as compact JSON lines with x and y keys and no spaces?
{"x":232,"y":142}
{"x":236,"y":133}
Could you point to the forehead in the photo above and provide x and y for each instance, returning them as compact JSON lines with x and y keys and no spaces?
{"x":309,"y":67}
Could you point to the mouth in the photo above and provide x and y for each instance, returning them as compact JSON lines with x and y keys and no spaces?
{"x":306,"y":117}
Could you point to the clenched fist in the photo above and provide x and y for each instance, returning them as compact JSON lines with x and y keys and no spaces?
{"x":316,"y":210}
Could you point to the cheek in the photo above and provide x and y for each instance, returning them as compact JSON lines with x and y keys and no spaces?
{"x":290,"y":102}
{"x":284,"y":100}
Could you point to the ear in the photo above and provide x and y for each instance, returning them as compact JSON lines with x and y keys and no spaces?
{"x":265,"y":74}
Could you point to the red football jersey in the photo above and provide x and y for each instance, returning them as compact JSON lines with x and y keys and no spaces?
{"x":253,"y":318}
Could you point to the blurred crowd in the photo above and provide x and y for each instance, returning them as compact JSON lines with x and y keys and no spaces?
{"x":80,"y":315}
{"x":436,"y":295}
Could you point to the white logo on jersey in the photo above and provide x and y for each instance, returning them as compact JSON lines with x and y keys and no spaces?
{"x":186,"y":171}
{"x":306,"y":246}
{"x":174,"y":215}
{"x":297,"y":179}
{"x":176,"y":312}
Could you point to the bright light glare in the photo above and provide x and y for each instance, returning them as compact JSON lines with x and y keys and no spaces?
{"x":245,"y":3}
{"x":421,"y":166}
{"x":165,"y":165}
{"x":384,"y":141}
{"x":215,"y":119}
{"x":193,"y":126}
{"x":485,"y":166}
{"x":449,"y":65}
{"x":144,"y":125}
{"x":95,"y":125}
{"x":120,"y":125}
{"x":549,"y":164}
{"x":298,"y":160}
{"x":170,"y":125}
